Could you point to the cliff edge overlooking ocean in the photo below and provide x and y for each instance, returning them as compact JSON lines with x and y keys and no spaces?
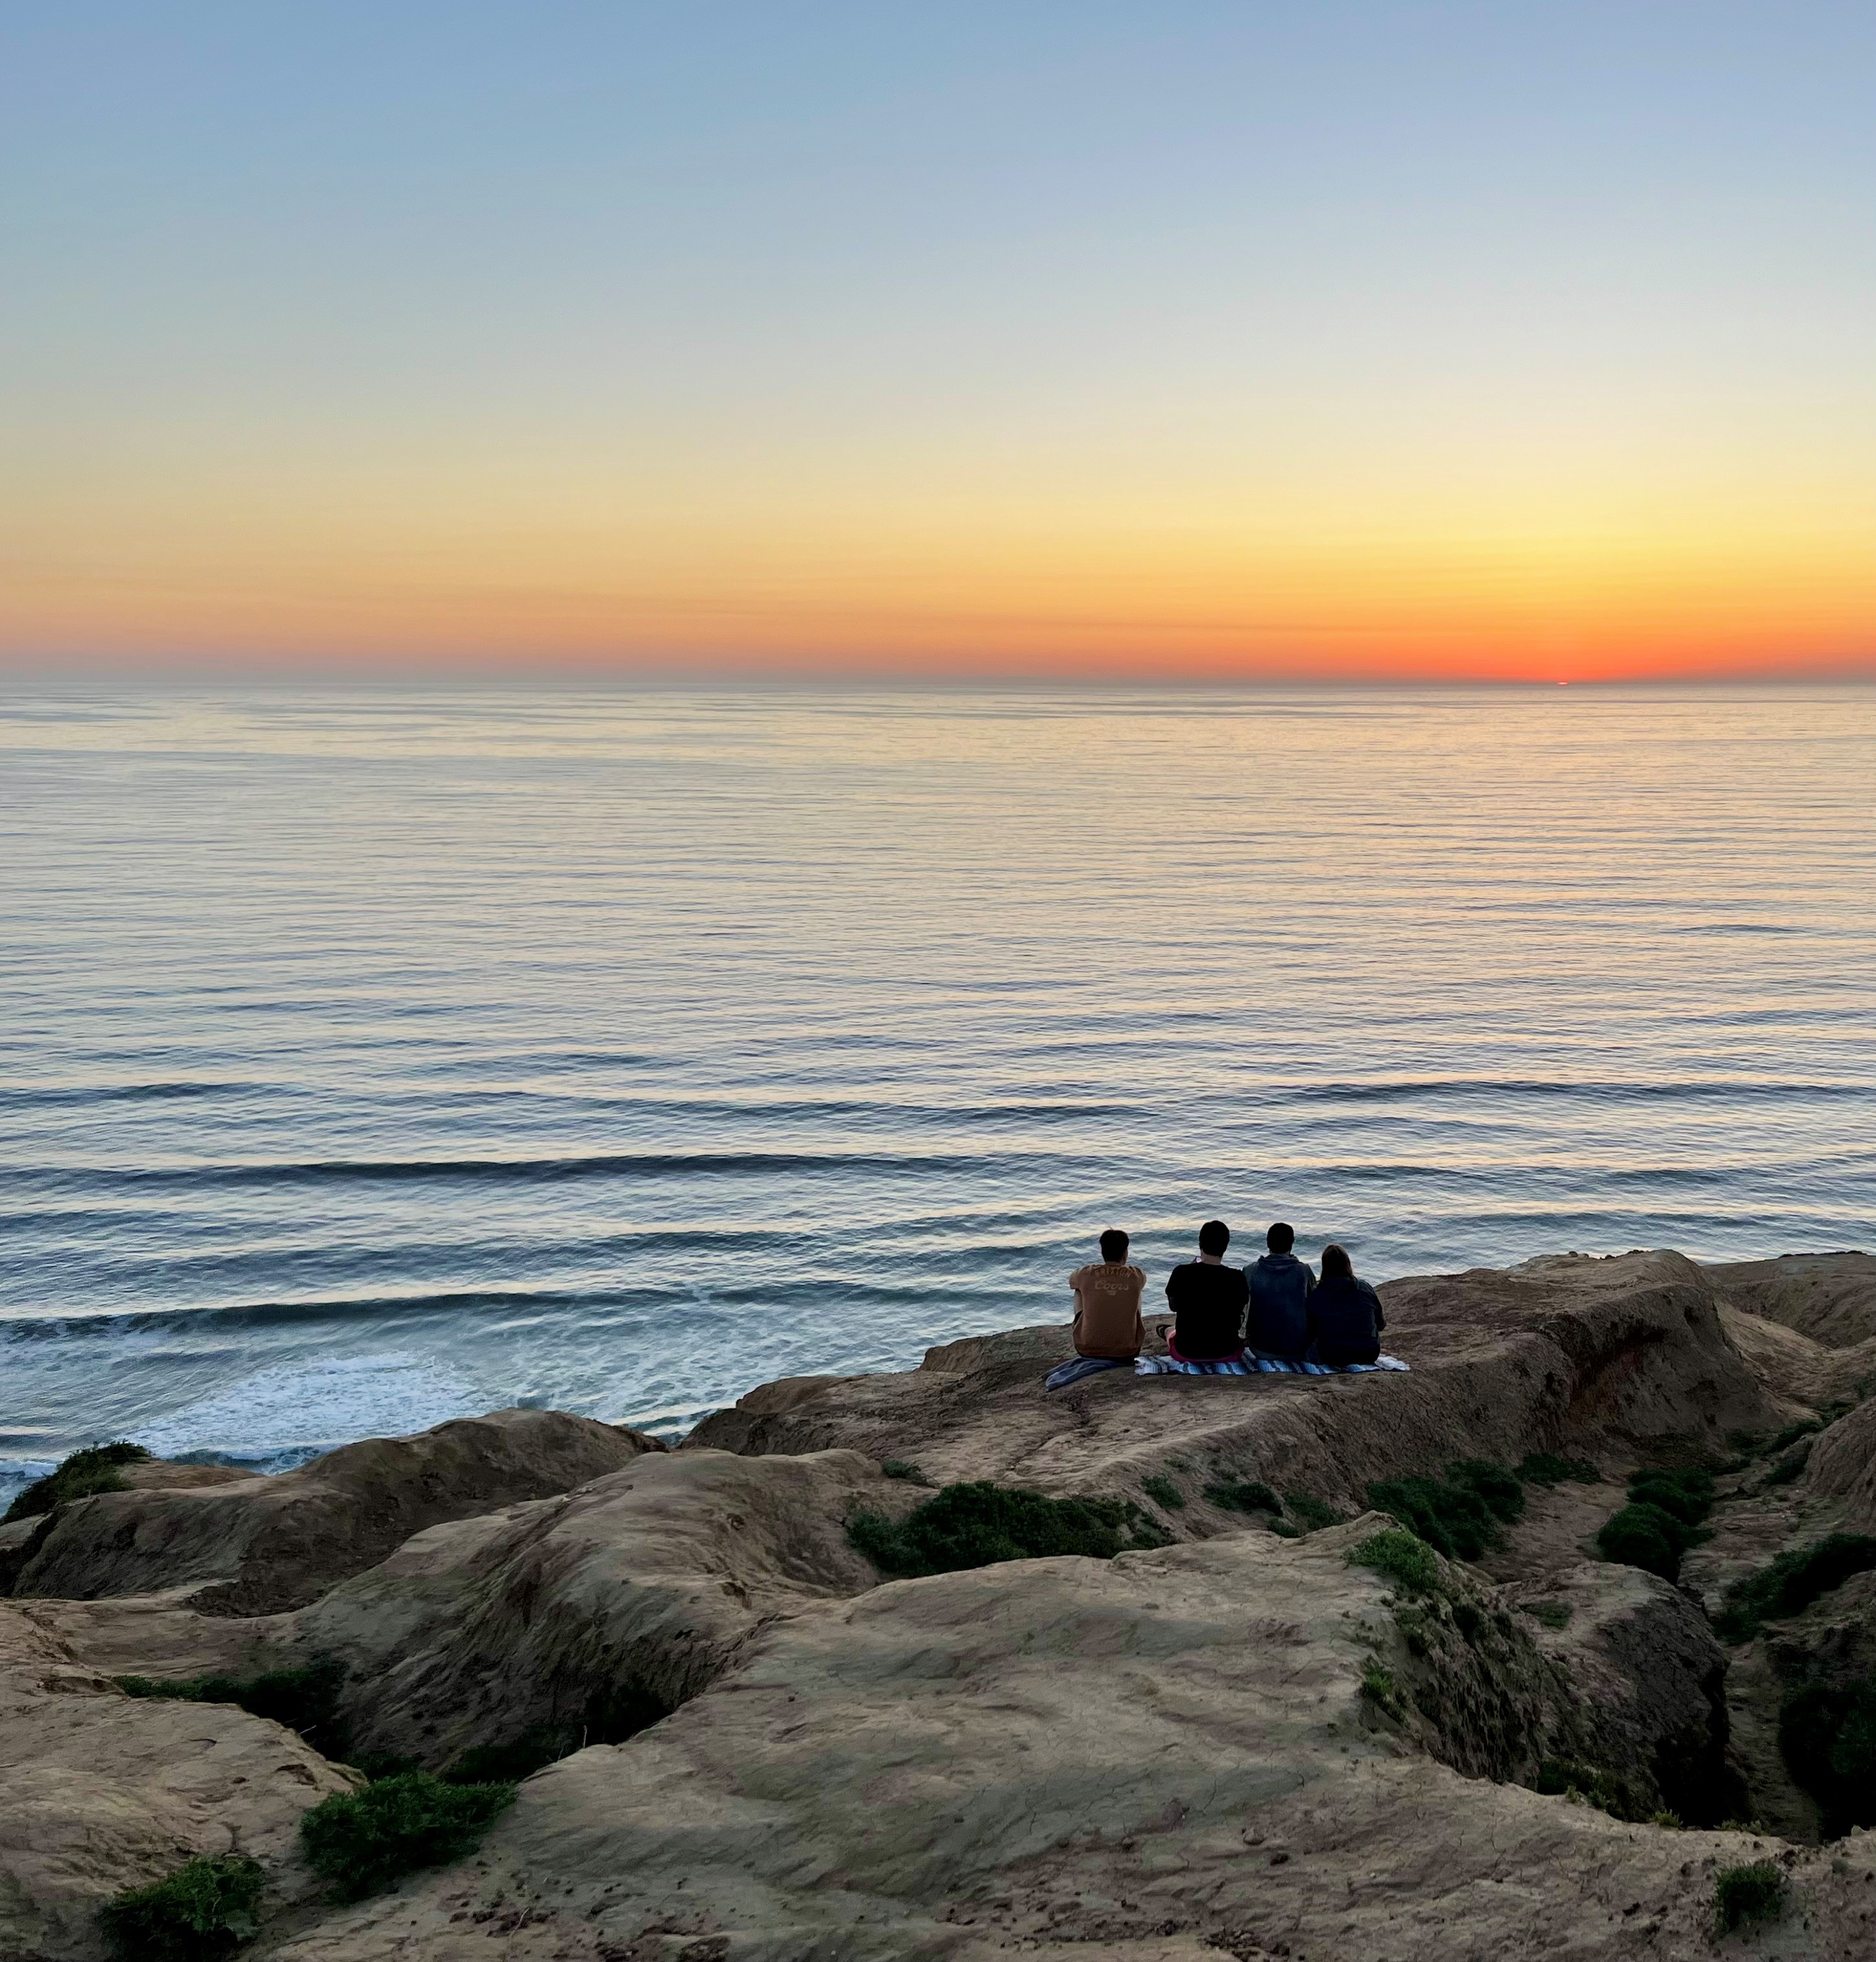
{"x":1526,"y":1651}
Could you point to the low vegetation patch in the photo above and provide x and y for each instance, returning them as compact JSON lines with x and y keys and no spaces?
{"x":1805,"y":1428}
{"x":1660,"y":1521}
{"x":1551,"y":1614}
{"x":1163,"y":1492}
{"x":1244,"y":1495}
{"x":206,"y":1909}
{"x":1403,"y":1559}
{"x":98,"y":1468}
{"x":1828,"y":1736}
{"x":305,"y":1700}
{"x":1378,"y":1688}
{"x":1310,"y":1514}
{"x":1792,"y":1582}
{"x":1743,"y":1895}
{"x":362,"y":1842}
{"x":1608,"y":1791}
{"x":1461,"y":1515}
{"x":898,"y":1468}
{"x":1788,"y":1469}
{"x":1546,"y":1467}
{"x":979,"y":1524}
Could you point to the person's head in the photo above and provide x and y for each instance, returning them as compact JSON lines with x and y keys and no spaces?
{"x":1113,"y":1244}
{"x":1280,"y":1238}
{"x":1336,"y":1265}
{"x":1213,"y":1237}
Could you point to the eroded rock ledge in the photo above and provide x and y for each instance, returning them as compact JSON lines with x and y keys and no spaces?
{"x":1237,"y":1745}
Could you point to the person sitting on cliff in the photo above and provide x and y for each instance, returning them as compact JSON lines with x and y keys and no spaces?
{"x":1345,"y":1316}
{"x":1280,"y":1286}
{"x":1107,"y":1303}
{"x":1207,"y":1300}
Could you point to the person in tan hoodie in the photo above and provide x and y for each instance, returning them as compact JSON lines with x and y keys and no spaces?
{"x":1107,"y":1303}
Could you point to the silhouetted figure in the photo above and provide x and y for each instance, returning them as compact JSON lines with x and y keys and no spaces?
{"x":1207,"y":1299}
{"x":1107,"y":1303}
{"x":1345,"y":1316}
{"x":1280,"y":1286}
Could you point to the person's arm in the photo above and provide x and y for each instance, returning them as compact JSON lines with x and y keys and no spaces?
{"x":1380,"y":1320}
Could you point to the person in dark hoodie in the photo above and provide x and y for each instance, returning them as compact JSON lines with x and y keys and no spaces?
{"x":1345,"y":1316}
{"x":1278,"y":1326}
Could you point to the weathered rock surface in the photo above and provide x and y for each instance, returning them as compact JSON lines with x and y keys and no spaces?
{"x":1647,"y":1683}
{"x":261,"y":1546}
{"x":1841,"y":1468}
{"x":576,"y":1613}
{"x":1087,"y":1759}
{"x":1241,"y":1745}
{"x":1829,"y":1297}
{"x":100,"y":1792}
{"x":1570,"y":1352}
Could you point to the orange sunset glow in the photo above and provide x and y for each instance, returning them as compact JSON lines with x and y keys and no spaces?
{"x":892,"y":352}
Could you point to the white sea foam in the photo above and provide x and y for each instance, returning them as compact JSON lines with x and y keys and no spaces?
{"x":279,"y":1416}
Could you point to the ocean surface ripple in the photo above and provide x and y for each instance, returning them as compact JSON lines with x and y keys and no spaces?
{"x":375,"y":1056}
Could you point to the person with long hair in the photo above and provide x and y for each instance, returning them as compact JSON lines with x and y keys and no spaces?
{"x":1345,"y":1316}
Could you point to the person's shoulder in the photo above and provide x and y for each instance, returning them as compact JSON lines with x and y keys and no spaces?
{"x":1138,"y":1273}
{"x":1080,"y":1275}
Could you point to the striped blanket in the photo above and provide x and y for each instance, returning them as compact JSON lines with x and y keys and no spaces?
{"x":1258,"y":1366}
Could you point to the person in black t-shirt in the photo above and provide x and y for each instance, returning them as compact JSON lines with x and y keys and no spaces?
{"x":1207,"y":1298}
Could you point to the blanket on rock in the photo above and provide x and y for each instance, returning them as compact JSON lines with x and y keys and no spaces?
{"x":1258,"y":1366}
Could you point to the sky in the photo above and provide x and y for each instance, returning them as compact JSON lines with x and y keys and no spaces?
{"x":1520,"y":341}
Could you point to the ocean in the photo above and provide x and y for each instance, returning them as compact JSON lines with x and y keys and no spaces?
{"x":373,"y":1056}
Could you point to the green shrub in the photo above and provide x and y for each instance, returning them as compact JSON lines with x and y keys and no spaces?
{"x":1787,"y":1470}
{"x":1451,"y":1519}
{"x":305,"y":1700}
{"x":898,"y":1468}
{"x":1828,"y":1736}
{"x":1643,"y":1536}
{"x":94,"y":1469}
{"x":204,"y":1909}
{"x":1311,"y":1514}
{"x":1792,"y":1582}
{"x":1745,"y":1894}
{"x":379,"y":1764}
{"x":1244,"y":1495}
{"x":1608,"y":1791}
{"x":1659,"y":1522}
{"x":1684,"y":1495}
{"x":978,"y":1524}
{"x":362,"y":1842}
{"x":1552,"y":1614}
{"x":1403,"y":1559}
{"x":1163,"y":1492}
{"x":1378,"y":1688}
{"x":1805,"y":1427}
{"x":1545,"y":1468}
{"x":1498,"y":1489}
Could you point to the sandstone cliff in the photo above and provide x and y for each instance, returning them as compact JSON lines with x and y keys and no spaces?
{"x":1240,"y":1744}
